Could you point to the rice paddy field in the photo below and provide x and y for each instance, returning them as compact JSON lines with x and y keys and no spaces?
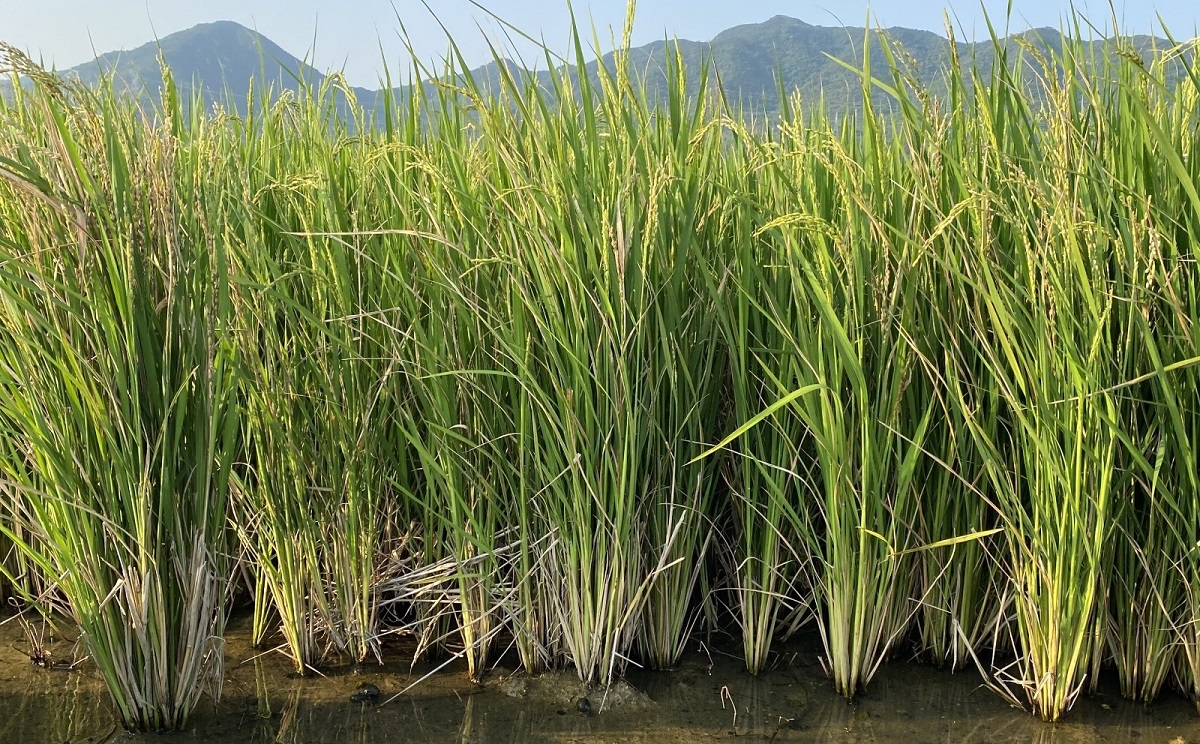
{"x":567,"y":378}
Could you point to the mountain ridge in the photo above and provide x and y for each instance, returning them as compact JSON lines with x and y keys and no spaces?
{"x":224,"y":61}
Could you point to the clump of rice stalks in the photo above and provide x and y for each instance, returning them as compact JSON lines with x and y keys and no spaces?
{"x":1154,"y":204}
{"x":829,"y":303}
{"x":1045,"y":324}
{"x":960,"y":592}
{"x":320,"y":399}
{"x":118,"y":412}
{"x":602,"y":367}
{"x":767,"y":473}
{"x":1168,"y":335}
{"x":1146,"y":588}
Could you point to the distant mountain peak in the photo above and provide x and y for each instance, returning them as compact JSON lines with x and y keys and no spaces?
{"x":786,"y":20}
{"x":218,"y":59}
{"x":223,"y":25}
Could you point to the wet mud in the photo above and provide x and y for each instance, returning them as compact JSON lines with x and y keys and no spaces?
{"x":707,"y":698}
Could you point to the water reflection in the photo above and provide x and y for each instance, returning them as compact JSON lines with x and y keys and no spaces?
{"x":39,"y":703}
{"x":265,"y":705}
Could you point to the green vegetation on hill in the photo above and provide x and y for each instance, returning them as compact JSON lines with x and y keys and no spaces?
{"x":223,"y":61}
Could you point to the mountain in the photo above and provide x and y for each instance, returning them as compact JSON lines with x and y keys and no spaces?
{"x":753,"y":59}
{"x":220,"y":60}
{"x":753,"y":62}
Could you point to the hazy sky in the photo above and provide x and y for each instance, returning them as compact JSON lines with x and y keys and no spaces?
{"x":350,"y":34}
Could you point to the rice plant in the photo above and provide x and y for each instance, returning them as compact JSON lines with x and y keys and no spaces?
{"x":1051,"y":332}
{"x":553,"y":361}
{"x":119,"y":380}
{"x":1168,"y":339}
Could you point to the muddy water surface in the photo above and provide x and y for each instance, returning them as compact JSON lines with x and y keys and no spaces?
{"x":708,"y":698}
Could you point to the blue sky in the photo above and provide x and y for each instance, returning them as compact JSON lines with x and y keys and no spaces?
{"x":349,"y":34}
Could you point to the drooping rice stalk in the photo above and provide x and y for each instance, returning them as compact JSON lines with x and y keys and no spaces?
{"x":449,"y":427}
{"x":960,"y":593}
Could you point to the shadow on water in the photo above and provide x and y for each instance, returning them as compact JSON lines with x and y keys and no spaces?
{"x":707,"y":698}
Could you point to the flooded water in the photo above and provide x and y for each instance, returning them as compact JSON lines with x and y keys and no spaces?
{"x":707,"y":698}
